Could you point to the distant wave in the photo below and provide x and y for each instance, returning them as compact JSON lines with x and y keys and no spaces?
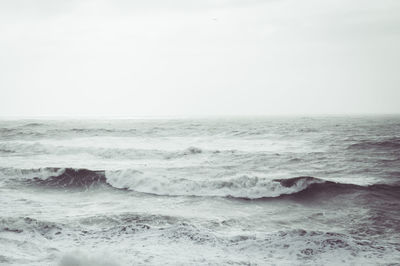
{"x":6,"y":151}
{"x":387,"y":144}
{"x":240,"y":187}
{"x":34,"y":125}
{"x":8,"y":133}
{"x":42,"y":130}
{"x":193,"y":150}
{"x":38,"y":148}
{"x":127,"y":153}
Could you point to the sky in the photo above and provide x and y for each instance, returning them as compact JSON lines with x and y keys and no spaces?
{"x":190,"y":57}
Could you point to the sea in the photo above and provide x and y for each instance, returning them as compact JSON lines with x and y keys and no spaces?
{"x":301,"y":190}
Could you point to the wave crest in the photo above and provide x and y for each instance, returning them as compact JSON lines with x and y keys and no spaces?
{"x":240,"y":187}
{"x":249,"y":187}
{"x":72,"y":178}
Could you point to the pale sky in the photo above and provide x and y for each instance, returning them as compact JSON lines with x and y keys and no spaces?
{"x":204,"y":57}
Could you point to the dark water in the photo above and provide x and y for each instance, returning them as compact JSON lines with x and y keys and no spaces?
{"x":258,"y":191}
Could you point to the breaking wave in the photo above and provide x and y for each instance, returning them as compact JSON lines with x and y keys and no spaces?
{"x":241,"y":187}
{"x":69,"y":178}
{"x":251,"y":187}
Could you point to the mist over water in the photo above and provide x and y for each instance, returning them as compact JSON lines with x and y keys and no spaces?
{"x":259,"y":191}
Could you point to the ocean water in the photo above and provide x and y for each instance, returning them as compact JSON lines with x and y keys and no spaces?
{"x":237,"y":191}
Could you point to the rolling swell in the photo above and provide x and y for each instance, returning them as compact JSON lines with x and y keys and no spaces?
{"x":384,"y":144}
{"x":328,"y":189}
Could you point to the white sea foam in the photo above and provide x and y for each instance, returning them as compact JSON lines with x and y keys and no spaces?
{"x":243,"y":186}
{"x":80,"y":258}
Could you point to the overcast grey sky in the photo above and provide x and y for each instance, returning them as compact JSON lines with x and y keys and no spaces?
{"x":186,"y":57}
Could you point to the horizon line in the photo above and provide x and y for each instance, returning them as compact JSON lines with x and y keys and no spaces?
{"x":162,"y":117}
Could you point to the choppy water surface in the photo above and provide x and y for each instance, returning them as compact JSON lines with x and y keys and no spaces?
{"x":284,"y":191}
